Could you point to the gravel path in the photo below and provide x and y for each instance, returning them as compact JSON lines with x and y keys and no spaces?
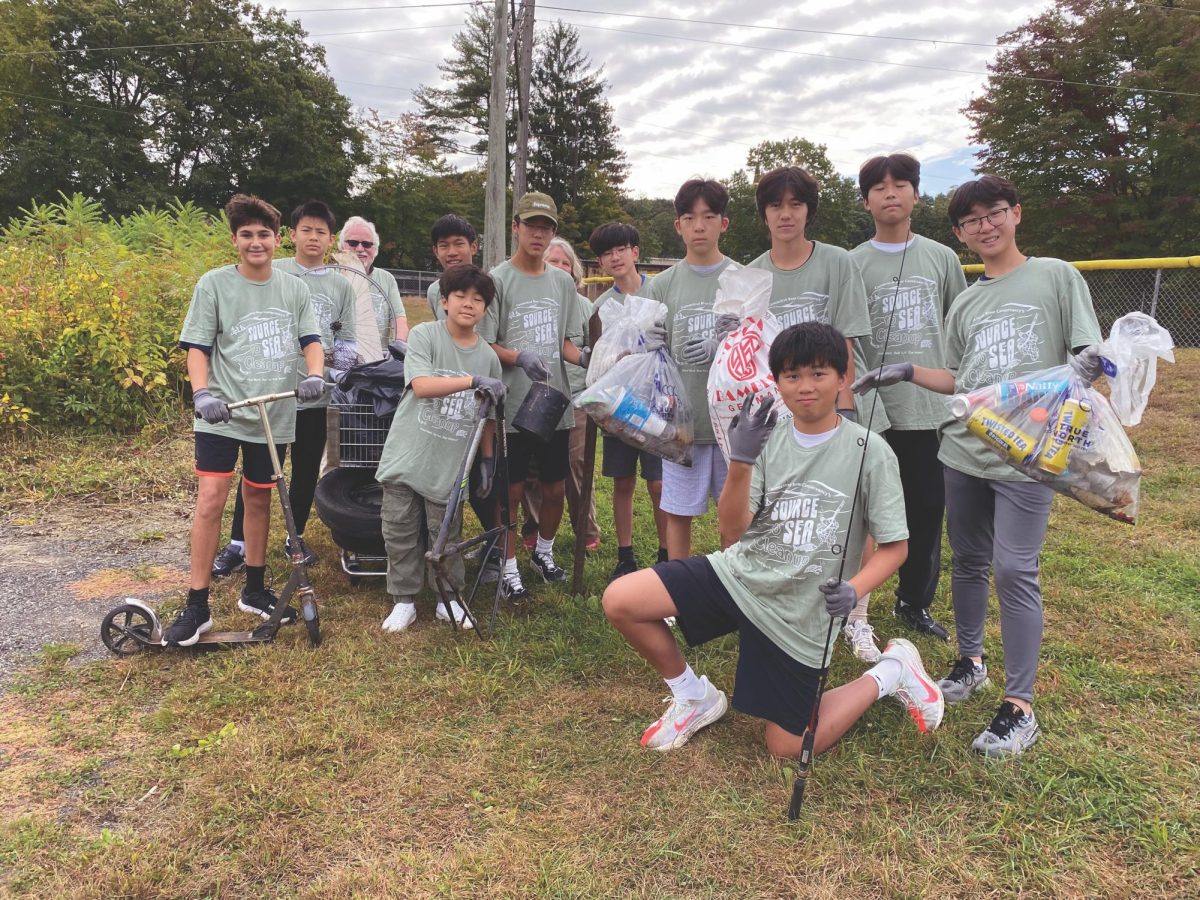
{"x":61,"y":571}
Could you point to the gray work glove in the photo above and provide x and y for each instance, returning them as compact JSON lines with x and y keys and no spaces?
{"x":850,"y":415}
{"x":492,"y":388}
{"x":533,"y":365}
{"x":487,"y":477}
{"x":749,"y":431}
{"x":656,"y":337}
{"x":585,"y":357}
{"x":209,"y":408}
{"x":840,"y":597}
{"x":892,"y":373}
{"x":1088,"y":364}
{"x":311,"y":389}
{"x":699,"y":351}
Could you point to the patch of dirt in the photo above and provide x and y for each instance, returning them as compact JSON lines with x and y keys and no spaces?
{"x":113,"y":583}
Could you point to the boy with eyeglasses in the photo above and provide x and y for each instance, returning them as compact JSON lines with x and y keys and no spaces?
{"x":617,"y":247}
{"x":1023,"y":314}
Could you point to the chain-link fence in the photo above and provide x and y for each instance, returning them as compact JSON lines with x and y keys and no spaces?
{"x":412,"y":281}
{"x":1167,"y":289}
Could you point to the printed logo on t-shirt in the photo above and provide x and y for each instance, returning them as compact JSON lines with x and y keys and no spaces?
{"x":533,"y":325}
{"x":999,"y":342}
{"x":266,"y":342}
{"x":910,"y":309}
{"x":451,"y":417}
{"x":800,"y":527}
{"x":691,"y":320}
{"x":810,"y":306}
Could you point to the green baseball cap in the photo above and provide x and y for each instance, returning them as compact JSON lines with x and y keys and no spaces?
{"x":535,"y":205}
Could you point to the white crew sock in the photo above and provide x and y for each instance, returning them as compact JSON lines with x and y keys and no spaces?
{"x":241,"y":546}
{"x":510,"y":566}
{"x":544,"y":547}
{"x":686,"y":686}
{"x":887,"y":674}
{"x":859,"y":613}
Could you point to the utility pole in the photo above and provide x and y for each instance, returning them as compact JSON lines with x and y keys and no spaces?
{"x":494,"y":213}
{"x":524,"y":74}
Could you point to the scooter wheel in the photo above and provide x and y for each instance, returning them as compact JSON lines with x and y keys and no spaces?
{"x":313,"y":626}
{"x":126,"y":630}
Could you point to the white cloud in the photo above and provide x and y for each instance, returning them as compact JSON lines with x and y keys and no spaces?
{"x":692,"y":98}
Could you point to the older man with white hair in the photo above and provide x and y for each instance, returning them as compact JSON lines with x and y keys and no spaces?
{"x":359,"y":245}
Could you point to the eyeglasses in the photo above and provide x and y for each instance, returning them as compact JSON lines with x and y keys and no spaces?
{"x":538,"y":227}
{"x":366,"y":245}
{"x":614,"y":251}
{"x":995,"y":218}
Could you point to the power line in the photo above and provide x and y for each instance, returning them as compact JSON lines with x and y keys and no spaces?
{"x":880,"y":62}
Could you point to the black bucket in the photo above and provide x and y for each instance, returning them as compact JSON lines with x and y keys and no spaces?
{"x":541,"y":411}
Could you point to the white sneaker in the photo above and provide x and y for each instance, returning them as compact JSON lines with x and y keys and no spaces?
{"x":917,"y":691}
{"x":401,"y":616}
{"x":460,"y":614}
{"x":684,"y":718}
{"x":861,"y":638}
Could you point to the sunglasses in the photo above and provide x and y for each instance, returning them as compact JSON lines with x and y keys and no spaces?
{"x":366,"y":245}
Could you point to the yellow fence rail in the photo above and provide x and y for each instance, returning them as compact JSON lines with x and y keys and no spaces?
{"x":1117,"y":265}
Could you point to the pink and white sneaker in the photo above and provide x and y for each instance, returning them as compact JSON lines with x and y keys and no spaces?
{"x":684,"y":718}
{"x":918,"y":692}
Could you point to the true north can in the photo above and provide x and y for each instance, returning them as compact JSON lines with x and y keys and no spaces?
{"x":1070,"y":430}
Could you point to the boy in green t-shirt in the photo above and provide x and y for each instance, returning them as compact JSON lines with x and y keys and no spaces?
{"x":455,"y":243}
{"x":911,"y":282}
{"x":1024,"y":314}
{"x":791,"y":507}
{"x":333,"y":304}
{"x":617,"y":247}
{"x":693,"y":333}
{"x":243,"y":333}
{"x":536,"y":309}
{"x":448,"y":367}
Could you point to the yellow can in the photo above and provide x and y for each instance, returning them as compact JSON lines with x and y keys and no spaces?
{"x":1070,"y":430}
{"x":1001,"y":433}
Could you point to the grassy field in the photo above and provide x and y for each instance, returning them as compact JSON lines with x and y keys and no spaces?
{"x":429,"y":764}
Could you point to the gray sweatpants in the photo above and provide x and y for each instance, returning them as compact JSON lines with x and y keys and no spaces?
{"x":998,"y":527}
{"x":410,"y":526}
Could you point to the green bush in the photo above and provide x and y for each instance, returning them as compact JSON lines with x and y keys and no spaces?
{"x":90,"y":312}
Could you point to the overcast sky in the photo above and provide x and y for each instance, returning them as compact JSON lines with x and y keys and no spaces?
{"x":691,"y":97}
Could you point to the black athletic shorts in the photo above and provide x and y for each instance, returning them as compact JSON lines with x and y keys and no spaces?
{"x":553,"y":457}
{"x":217,"y":455}
{"x":621,"y":461}
{"x":769,"y":683}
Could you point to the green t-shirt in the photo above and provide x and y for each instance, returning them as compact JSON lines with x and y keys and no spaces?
{"x":429,"y":436}
{"x":614,"y":293}
{"x":333,"y":300}
{"x":932,"y":278}
{"x":534,"y":313}
{"x":386,"y":282}
{"x":576,"y":376}
{"x":253,"y":330}
{"x":826,"y":289}
{"x":1002,"y":328}
{"x":689,"y":296}
{"x":800,"y":498}
{"x":388,"y":308}
{"x":433,"y":294}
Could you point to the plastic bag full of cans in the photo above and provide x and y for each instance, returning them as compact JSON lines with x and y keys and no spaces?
{"x":640,"y":401}
{"x":1059,"y":430}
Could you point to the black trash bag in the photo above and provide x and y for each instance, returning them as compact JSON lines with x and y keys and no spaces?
{"x":379,"y":384}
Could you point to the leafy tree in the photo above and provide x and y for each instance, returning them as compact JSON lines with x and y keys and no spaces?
{"x":654,"y":219}
{"x":218,"y":96}
{"x":596,"y":203}
{"x":1107,"y":170}
{"x":571,"y":122}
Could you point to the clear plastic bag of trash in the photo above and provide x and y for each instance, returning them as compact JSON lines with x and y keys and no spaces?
{"x":1056,"y":428}
{"x":1135,"y":344}
{"x":640,"y":400}
{"x":623,"y":331}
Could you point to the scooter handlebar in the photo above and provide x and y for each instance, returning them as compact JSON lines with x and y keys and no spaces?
{"x":266,"y":398}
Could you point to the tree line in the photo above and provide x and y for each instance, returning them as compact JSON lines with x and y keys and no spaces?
{"x":1091,"y":108}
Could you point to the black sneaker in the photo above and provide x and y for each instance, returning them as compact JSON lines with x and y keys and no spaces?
{"x":1011,"y":733}
{"x":920,"y":620}
{"x":192,"y":621}
{"x":228,"y":561}
{"x":262,"y":604}
{"x":513,"y":588}
{"x":310,"y":558}
{"x":965,"y":678}
{"x":545,"y":564}
{"x":624,"y":567}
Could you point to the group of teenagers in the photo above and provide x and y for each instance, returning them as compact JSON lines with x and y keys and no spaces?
{"x":824,"y":495}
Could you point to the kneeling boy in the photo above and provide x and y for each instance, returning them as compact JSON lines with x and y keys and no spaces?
{"x":788,"y":501}
{"x":446,"y":363}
